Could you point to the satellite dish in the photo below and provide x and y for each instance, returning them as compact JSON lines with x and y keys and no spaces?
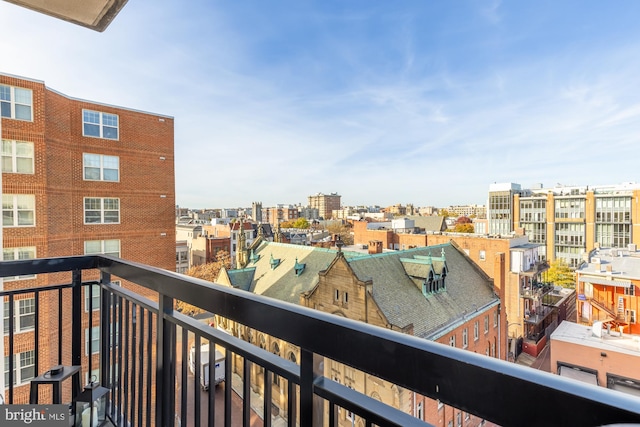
{"x":597,"y":329}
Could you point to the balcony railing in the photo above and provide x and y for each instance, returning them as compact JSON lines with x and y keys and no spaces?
{"x":139,"y":351}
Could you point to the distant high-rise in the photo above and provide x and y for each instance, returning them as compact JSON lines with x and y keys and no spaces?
{"x":568,"y":221}
{"x":256,"y":211}
{"x":325,"y":203}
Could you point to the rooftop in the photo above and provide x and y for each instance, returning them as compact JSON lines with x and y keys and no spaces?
{"x":588,"y":336}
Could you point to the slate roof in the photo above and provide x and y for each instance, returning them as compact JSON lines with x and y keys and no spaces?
{"x":400,"y":299}
{"x":402,"y":302}
{"x":282,"y":283}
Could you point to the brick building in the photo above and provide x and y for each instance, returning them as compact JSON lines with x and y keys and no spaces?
{"x":78,"y":177}
{"x":433,"y":293}
{"x":325,"y":203}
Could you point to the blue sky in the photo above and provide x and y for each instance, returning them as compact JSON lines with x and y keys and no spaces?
{"x":419,"y":102}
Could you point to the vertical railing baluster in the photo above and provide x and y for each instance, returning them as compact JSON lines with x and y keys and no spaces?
{"x":134,"y":359}
{"x":197,"y":378}
{"x":184,"y":351}
{"x":76,"y":324}
{"x":60,"y":305}
{"x":121,"y":372}
{"x":268,"y":380}
{"x":212,"y":384}
{"x":165,"y":364}
{"x":246,"y":393}
{"x":140,"y":366}
{"x":149,"y":367}
{"x":228,"y":383}
{"x":291,"y":403}
{"x":36,"y":331}
{"x":306,"y":387}
{"x":11,"y":349}
{"x":125,"y":386}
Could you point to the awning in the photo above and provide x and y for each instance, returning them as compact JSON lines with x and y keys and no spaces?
{"x":577,"y":374}
{"x":606,"y":282}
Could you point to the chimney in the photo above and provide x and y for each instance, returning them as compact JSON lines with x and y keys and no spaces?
{"x":609,"y":269}
{"x":375,"y":247}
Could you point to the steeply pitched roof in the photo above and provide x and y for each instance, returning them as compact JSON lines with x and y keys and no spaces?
{"x":403,"y":303}
{"x":395,"y":277}
{"x":282,"y":282}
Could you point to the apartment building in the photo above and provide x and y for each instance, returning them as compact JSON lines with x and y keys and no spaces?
{"x":608,"y":288}
{"x":280,"y":213}
{"x":325,"y":203}
{"x":568,"y":221}
{"x":78,"y":177}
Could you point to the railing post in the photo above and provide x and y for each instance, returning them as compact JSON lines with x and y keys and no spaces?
{"x":105,"y":331}
{"x":311,"y":406}
{"x":165,"y":369}
{"x":76,"y":322}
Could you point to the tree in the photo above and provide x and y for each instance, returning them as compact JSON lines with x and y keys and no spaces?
{"x":443,"y":212}
{"x":463,"y":228}
{"x":208,"y":271}
{"x":463,"y":220}
{"x":560,"y":274}
{"x":343,"y":231}
{"x":301,"y":223}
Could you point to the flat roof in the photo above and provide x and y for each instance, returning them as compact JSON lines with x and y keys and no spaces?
{"x":583,"y":335}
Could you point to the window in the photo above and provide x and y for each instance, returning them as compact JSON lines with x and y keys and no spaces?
{"x":465,"y":338}
{"x":101,"y":210}
{"x":14,"y":254}
{"x":440,"y":405}
{"x":106,"y":247}
{"x":631,"y":290}
{"x":350,"y":415}
{"x":459,"y":419}
{"x":337,"y":295}
{"x":98,"y":167}
{"x":452,"y":340}
{"x":18,"y":210}
{"x":495,"y":319}
{"x":23,"y":368}
{"x":486,"y":324}
{"x":17,"y":156}
{"x":631,"y":316}
{"x":420,"y":410}
{"x":346,"y":297}
{"x":476,"y":331}
{"x":95,"y":296}
{"x":26,"y":314}
{"x":483,"y":255}
{"x":16,"y":102}
{"x":99,"y":125}
{"x":95,"y":340}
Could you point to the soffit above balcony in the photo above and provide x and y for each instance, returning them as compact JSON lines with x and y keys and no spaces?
{"x":606,"y":282}
{"x":94,"y":14}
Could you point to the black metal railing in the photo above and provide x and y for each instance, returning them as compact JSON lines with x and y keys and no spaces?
{"x":143,"y":353}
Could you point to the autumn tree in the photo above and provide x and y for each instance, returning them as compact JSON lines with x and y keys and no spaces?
{"x":343,"y":231}
{"x":301,"y":223}
{"x":443,"y":212}
{"x":464,"y":228}
{"x":209,"y":272}
{"x":560,"y":274}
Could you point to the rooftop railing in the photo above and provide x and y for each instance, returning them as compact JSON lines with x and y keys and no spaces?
{"x":143,"y":354}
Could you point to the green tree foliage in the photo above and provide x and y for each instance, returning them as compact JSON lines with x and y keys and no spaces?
{"x":463,"y":228}
{"x":208,"y":271}
{"x":301,"y":223}
{"x":443,"y":212}
{"x":560,"y":274}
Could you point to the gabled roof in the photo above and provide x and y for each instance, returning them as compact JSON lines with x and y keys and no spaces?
{"x":281,"y":281}
{"x":403,"y":303}
{"x":242,"y":278}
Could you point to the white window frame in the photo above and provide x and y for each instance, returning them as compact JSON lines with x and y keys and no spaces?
{"x":102,"y":166}
{"x":631,"y":316}
{"x":19,"y":315}
{"x":95,"y":336}
{"x":18,"y":367}
{"x":13,"y":155}
{"x":452,"y":340}
{"x":95,"y":295}
{"x":476,"y":331}
{"x":19,"y":254}
{"x":15,"y":200}
{"x":486,"y":324}
{"x":100,"y":123}
{"x":103,"y":247}
{"x":420,"y":411}
{"x":102,"y":210}
{"x":465,"y":338}
{"x":483,"y":255}
{"x":13,"y":103}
